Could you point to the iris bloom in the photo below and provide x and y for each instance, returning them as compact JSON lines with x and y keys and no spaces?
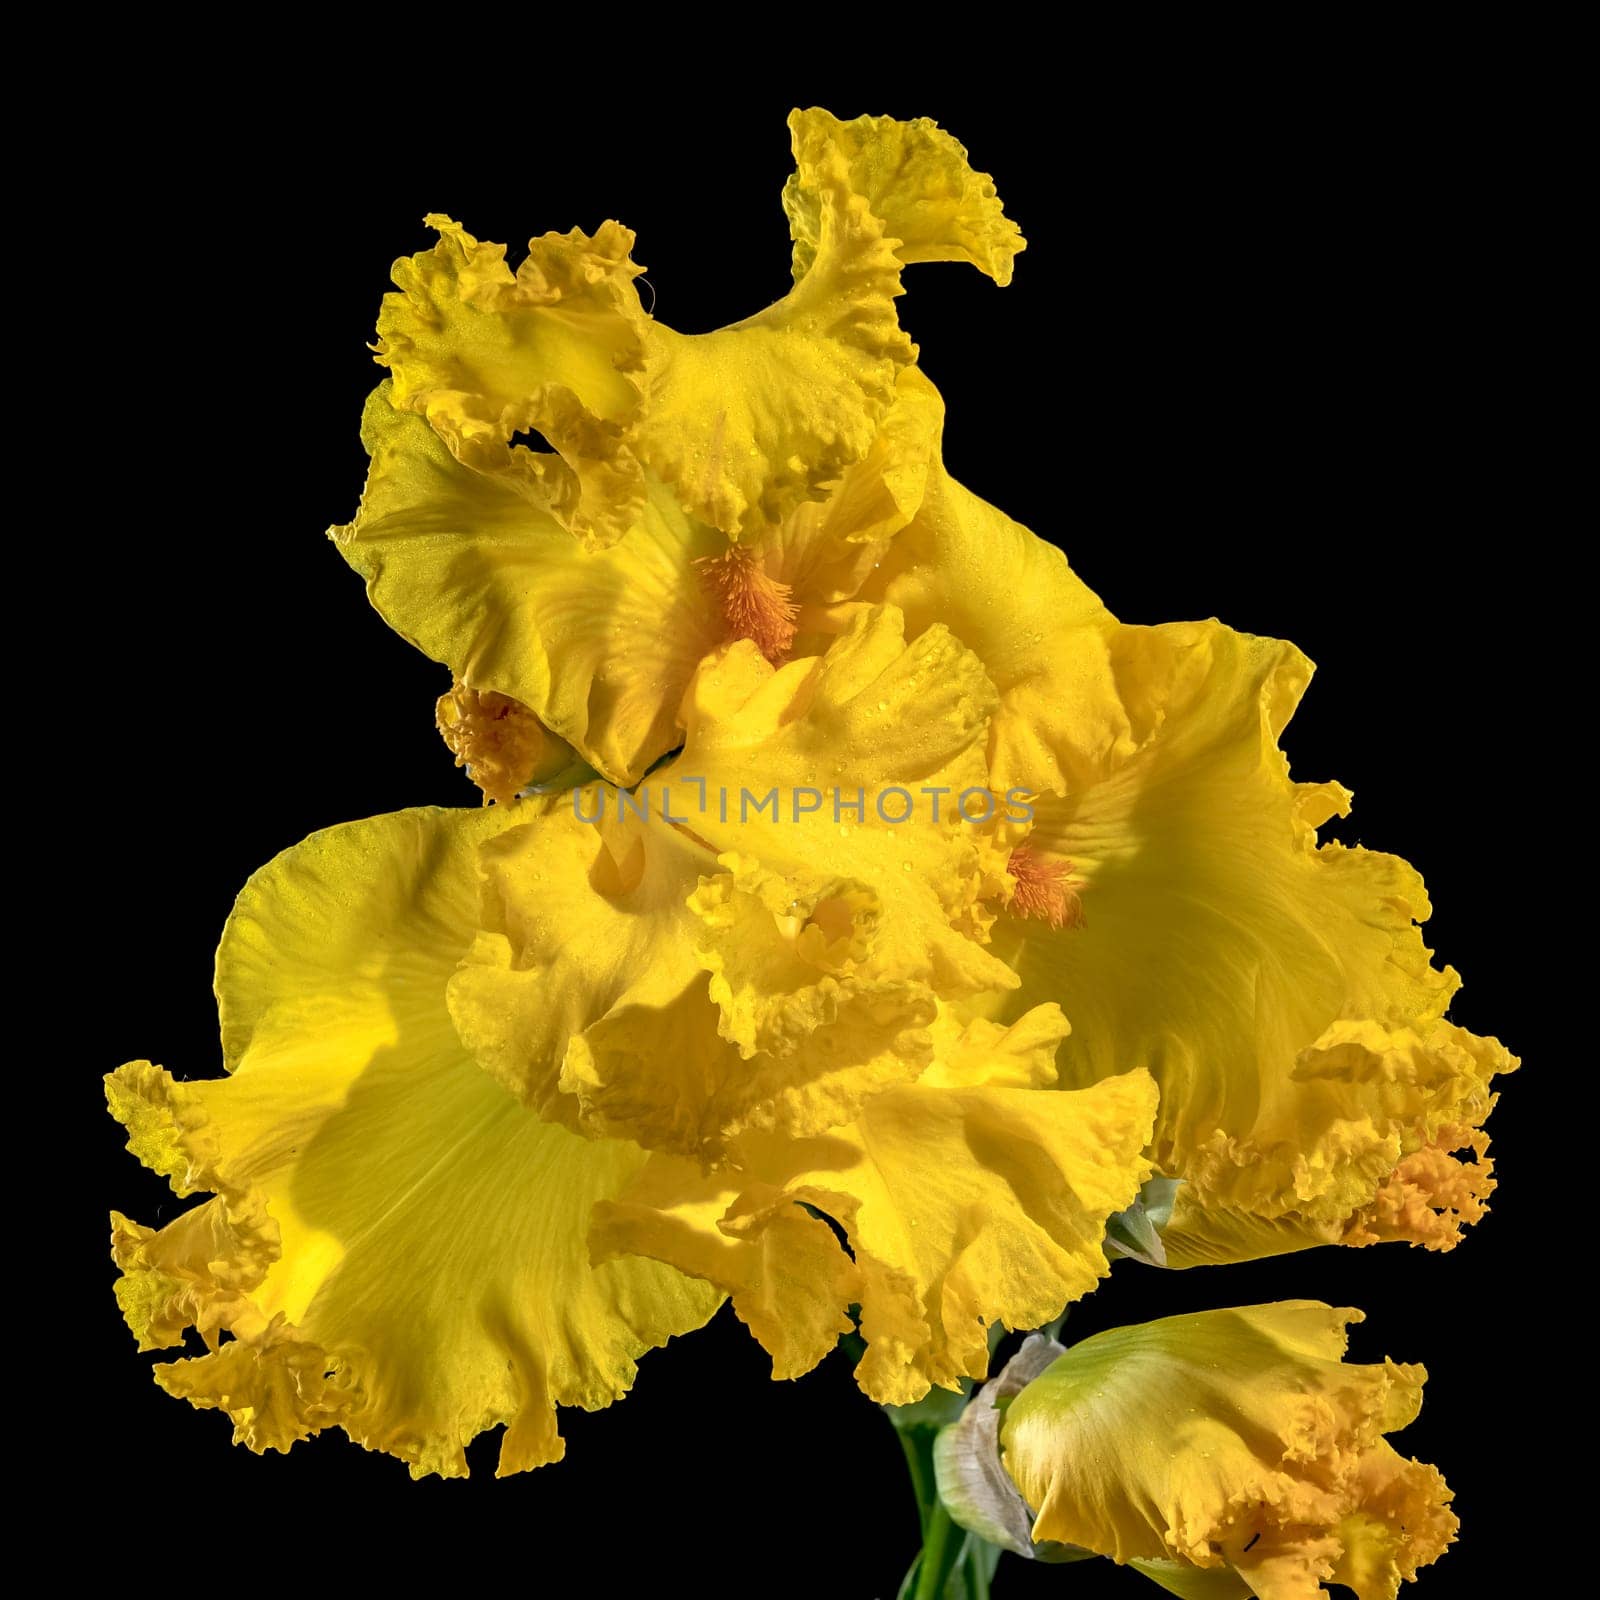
{"x":1172,"y":898}
{"x":707,"y":992}
{"x":1312,"y":1089}
{"x":517,"y":1095}
{"x":1231,"y":1453}
{"x":695,"y":488}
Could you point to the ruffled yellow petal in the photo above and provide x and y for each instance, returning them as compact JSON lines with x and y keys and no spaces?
{"x":553,"y":349}
{"x":803,"y":433}
{"x":914,"y":176}
{"x":1428,"y":1197}
{"x":586,"y":991}
{"x":597,"y":645}
{"x":821,"y":544}
{"x":850,"y":742}
{"x":1039,"y":631}
{"x":789,"y":1281}
{"x":795,"y":971}
{"x":681,"y":966}
{"x":1431,"y":1193}
{"x":752,"y":420}
{"x":755,"y":420}
{"x":581,"y":922}
{"x":1232,"y":1441}
{"x":275,"y":1387}
{"x":396,"y":1246}
{"x":962,"y":1206}
{"x":747,"y":422}
{"x":196,"y":1272}
{"x":976,"y":1053}
{"x":1280,"y":992}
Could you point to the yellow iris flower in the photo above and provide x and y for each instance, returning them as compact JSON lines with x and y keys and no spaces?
{"x":516,"y":1095}
{"x":696,"y":988}
{"x":795,"y":950}
{"x":696,"y":488}
{"x":1279,"y":991}
{"x":1231,"y":1453}
{"x":1172,"y":898}
{"x":778,"y":999}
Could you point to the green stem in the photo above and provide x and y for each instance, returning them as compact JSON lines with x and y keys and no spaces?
{"x":943,"y":1547}
{"x":978,"y":1570}
{"x":952,"y":1565}
{"x":922,"y":1484}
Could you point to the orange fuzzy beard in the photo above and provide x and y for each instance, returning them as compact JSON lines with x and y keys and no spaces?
{"x":1045,"y":889}
{"x":754,"y":606}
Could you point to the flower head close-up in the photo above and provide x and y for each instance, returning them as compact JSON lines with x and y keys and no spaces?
{"x":740,"y":905}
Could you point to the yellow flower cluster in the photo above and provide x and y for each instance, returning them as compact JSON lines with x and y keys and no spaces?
{"x":515,"y":1094}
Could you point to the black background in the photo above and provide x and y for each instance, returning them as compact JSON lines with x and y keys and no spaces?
{"x":1270,"y":356}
